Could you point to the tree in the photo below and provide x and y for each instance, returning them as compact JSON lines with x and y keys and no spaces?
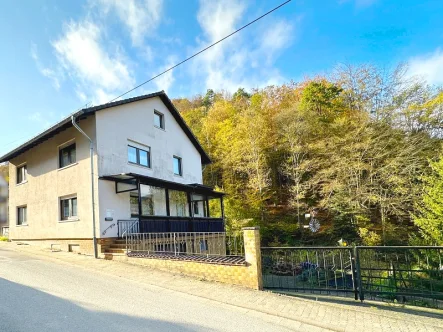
{"x":429,"y":216}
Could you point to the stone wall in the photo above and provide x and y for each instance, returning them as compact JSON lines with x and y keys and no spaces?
{"x":248,"y":275}
{"x":83,"y":246}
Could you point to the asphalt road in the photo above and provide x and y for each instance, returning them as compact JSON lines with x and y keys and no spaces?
{"x":42,"y":295}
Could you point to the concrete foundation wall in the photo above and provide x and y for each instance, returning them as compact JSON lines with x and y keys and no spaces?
{"x":82,"y":246}
{"x":247,"y":276}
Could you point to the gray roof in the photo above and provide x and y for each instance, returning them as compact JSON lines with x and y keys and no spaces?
{"x":84,"y":113}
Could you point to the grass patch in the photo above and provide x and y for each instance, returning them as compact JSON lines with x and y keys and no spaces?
{"x":4,"y":239}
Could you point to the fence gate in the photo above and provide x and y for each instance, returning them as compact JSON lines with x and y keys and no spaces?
{"x":412,"y":275}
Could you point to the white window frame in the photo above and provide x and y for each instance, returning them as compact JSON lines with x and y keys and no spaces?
{"x":70,"y":217}
{"x":24,"y":175}
{"x":25,"y":221}
{"x":65,"y":145}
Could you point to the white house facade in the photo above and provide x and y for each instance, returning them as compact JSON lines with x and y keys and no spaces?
{"x":147,"y":176}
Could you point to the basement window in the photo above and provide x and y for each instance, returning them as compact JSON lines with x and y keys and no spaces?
{"x":68,"y":208}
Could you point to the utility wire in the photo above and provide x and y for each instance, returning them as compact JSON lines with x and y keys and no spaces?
{"x":201,"y":51}
{"x":189,"y":58}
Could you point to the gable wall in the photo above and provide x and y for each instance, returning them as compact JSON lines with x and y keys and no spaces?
{"x":46,"y":183}
{"x":135,"y":122}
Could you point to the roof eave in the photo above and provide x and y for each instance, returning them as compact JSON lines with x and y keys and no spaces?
{"x":66,"y":123}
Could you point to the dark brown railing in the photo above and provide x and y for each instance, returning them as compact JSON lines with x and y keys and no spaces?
{"x":156,"y":224}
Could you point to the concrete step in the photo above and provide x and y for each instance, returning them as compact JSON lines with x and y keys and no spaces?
{"x":115,"y":251}
{"x":117,"y":246}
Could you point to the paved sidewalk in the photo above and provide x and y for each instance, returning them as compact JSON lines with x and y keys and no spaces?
{"x":297,"y":313}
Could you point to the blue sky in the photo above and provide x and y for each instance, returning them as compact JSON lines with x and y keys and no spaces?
{"x":60,"y":55}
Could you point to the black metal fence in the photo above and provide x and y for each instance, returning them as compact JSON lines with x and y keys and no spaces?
{"x":412,"y":275}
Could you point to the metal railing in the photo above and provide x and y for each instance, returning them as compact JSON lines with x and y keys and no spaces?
{"x":163,"y":224}
{"x":411,"y":275}
{"x":127,"y":226}
{"x":185,"y":243}
{"x":321,"y":270}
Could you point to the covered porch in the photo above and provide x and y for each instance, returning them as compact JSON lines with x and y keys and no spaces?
{"x":160,"y":206}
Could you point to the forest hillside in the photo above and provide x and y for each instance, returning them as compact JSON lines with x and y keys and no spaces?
{"x":352,"y":157}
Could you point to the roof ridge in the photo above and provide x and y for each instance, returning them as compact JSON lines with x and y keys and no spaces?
{"x":66,"y":123}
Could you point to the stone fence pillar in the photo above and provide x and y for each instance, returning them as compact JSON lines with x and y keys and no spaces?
{"x":251,"y":236}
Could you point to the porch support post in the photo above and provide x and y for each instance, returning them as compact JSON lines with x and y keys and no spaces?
{"x":191,"y":220}
{"x":222,"y":205}
{"x":168,"y":211}
{"x":139,"y":201}
{"x":207,"y":207}
{"x":190,"y":205}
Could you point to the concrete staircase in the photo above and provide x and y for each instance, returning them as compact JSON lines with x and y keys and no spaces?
{"x":114,"y":247}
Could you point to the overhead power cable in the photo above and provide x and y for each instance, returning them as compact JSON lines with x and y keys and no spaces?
{"x":203,"y":50}
{"x":192,"y":56}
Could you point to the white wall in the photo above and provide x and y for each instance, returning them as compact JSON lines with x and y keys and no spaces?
{"x":135,"y":122}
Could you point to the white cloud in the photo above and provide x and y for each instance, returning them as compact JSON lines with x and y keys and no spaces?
{"x":41,"y":120}
{"x":82,"y":55}
{"x":276,"y":38}
{"x":141,"y":17}
{"x":243,"y":60}
{"x":219,"y":18}
{"x":428,"y":67}
{"x":47,"y":72}
{"x":165,"y":81}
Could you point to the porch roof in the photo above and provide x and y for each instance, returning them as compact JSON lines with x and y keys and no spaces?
{"x":195,"y":188}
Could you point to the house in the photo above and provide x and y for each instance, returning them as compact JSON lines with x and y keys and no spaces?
{"x":3,"y":207}
{"x":146,"y":178}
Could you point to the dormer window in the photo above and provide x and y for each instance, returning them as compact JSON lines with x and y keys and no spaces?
{"x":159,"y":120}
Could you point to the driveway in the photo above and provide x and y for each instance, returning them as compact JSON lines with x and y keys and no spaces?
{"x":57,"y":291}
{"x":41,"y":295}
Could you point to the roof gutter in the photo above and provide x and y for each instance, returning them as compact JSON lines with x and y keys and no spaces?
{"x":91,"y":157}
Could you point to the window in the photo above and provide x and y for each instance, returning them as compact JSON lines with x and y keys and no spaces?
{"x":133,"y":201}
{"x":68,"y":208}
{"x":22,"y":174}
{"x":153,"y":201}
{"x":147,"y":205}
{"x":195,"y":208}
{"x":177,"y":165}
{"x":22,"y":215}
{"x":139,"y":156}
{"x":178,"y":203}
{"x":67,"y":155}
{"x":159,"y":120}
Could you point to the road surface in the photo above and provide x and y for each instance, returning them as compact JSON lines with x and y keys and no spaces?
{"x":43,"y":295}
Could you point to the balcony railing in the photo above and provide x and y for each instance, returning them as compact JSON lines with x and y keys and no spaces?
{"x":185,"y":243}
{"x":157,"y":224}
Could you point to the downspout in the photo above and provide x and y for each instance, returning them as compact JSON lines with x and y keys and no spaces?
{"x":91,"y":156}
